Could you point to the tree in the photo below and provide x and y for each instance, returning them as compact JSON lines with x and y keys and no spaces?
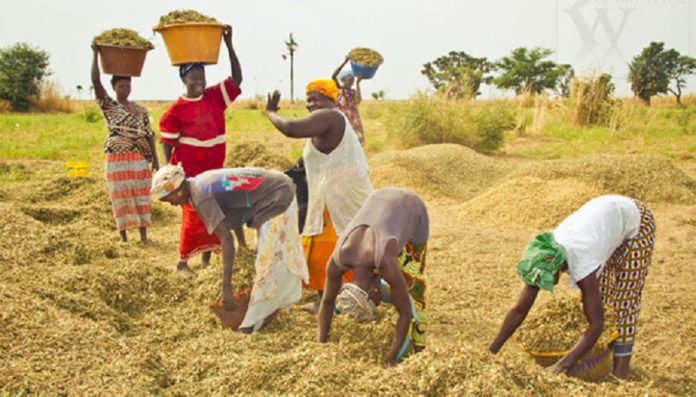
{"x":527,"y":70}
{"x":79,"y":91}
{"x":650,"y":71}
{"x":22,"y":69}
{"x":565,"y":80}
{"x":684,"y":66}
{"x":458,"y":75}
{"x":378,"y":95}
{"x":291,"y":45}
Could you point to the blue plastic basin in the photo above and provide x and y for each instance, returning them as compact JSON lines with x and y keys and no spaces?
{"x":367,"y":72}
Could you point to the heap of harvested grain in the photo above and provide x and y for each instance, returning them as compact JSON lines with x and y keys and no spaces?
{"x":646,"y":178}
{"x":529,"y":202}
{"x":255,"y":154}
{"x":365,"y":56}
{"x":123,"y":323}
{"x":183,"y":16}
{"x":448,"y":170}
{"x":123,"y":38}
{"x":558,"y":325}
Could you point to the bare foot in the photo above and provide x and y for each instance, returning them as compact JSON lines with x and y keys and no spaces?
{"x":311,"y":307}
{"x":183,"y":269}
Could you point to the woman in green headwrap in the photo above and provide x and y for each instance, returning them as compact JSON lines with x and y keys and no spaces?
{"x":606,"y":248}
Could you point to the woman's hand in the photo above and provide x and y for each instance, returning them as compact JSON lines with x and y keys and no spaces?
{"x":273,"y":101}
{"x":228,"y":301}
{"x":227,"y":35}
{"x":558,"y":368}
{"x":94,"y":47}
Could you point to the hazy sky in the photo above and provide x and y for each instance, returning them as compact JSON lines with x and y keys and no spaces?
{"x":590,"y":34}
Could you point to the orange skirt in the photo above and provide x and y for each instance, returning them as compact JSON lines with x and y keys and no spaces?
{"x":318,"y":250}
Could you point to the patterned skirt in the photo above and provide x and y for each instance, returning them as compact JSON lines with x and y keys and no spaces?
{"x":280,"y":269}
{"x":412,"y":262}
{"x":129,"y":179}
{"x":622,"y":279}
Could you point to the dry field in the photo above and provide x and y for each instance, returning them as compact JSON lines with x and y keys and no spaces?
{"x":85,"y":315}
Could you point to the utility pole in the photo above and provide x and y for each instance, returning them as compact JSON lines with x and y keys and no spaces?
{"x":291,"y":45}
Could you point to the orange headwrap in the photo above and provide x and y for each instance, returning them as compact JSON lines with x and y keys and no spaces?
{"x":326,"y":87}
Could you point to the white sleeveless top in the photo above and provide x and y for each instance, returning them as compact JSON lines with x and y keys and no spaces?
{"x":338,"y":181}
{"x":591,"y":234}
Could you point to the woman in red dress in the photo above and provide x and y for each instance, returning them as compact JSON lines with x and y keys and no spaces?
{"x":193,"y":134}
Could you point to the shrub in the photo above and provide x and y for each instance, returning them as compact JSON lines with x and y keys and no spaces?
{"x":432,"y":119}
{"x":50,"y":99}
{"x":22,"y":69}
{"x":92,"y":115}
{"x":591,"y":100}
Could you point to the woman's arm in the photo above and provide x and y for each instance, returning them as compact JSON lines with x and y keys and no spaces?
{"x":515,"y":317}
{"x":391,"y":273}
{"x":99,"y":91}
{"x":235,"y":67}
{"x":166,"y":150}
{"x":153,"y":148}
{"x":358,"y":94}
{"x":328,"y":299}
{"x":594,"y":312}
{"x":227,"y":243}
{"x":334,"y":76}
{"x":316,"y":123}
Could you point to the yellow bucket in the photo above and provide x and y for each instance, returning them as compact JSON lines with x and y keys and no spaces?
{"x":192,"y":42}
{"x":76,"y":169}
{"x":593,"y":366}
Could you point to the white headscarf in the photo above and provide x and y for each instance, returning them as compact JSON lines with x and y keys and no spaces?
{"x":345,"y":74}
{"x":353,"y":300}
{"x":167,"y":179}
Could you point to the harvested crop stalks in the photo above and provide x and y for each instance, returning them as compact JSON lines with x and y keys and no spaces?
{"x":365,"y":57}
{"x":184,"y":16}
{"x":123,"y":38}
{"x":558,"y":326}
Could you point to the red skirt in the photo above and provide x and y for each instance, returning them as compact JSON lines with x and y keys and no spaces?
{"x":194,"y":237}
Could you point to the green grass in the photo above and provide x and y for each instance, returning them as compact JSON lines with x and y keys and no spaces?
{"x":668,"y":131}
{"x":665,"y":131}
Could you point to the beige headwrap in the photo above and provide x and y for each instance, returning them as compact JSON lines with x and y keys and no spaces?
{"x":353,"y":300}
{"x":167,"y":179}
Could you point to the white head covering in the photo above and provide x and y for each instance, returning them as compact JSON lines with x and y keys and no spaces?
{"x":167,"y":179}
{"x":345,"y":74}
{"x":353,"y":300}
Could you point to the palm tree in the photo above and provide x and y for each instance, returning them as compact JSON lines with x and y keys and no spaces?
{"x":291,"y":45}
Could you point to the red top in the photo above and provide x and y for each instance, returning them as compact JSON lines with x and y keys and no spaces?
{"x":195,"y":128}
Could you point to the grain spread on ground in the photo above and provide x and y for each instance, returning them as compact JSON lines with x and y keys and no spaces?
{"x":75,"y":301}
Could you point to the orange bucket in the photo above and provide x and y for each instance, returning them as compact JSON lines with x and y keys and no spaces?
{"x":192,"y":42}
{"x":122,"y":61}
